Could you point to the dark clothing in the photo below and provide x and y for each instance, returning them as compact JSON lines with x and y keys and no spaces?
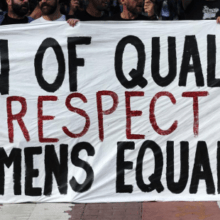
{"x":85,"y":16}
{"x":172,"y":7}
{"x":115,"y":9}
{"x":118,"y":17}
{"x":69,"y":17}
{"x":6,"y":20}
{"x":202,"y":10}
{"x":180,"y":9}
{"x":9,"y":20}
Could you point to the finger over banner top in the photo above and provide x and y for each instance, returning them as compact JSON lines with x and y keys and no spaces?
{"x":110,"y":112}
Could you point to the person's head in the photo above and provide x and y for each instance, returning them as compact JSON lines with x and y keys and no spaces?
{"x":100,"y":5}
{"x":18,"y":7}
{"x":48,"y":7}
{"x":133,"y":6}
{"x":64,"y":4}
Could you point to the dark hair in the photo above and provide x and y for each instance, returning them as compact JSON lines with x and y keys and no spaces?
{"x":32,"y":5}
{"x":64,"y":6}
{"x":3,"y":5}
{"x":64,"y":2}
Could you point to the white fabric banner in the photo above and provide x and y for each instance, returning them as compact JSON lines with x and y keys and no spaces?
{"x":110,"y":112}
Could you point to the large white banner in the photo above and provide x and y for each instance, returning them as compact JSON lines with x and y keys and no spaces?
{"x":110,"y":112}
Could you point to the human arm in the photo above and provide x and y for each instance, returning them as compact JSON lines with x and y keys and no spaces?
{"x":218,"y":17}
{"x":36,"y":13}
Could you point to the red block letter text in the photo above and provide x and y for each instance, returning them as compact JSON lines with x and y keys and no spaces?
{"x":153,"y":117}
{"x":78,"y":111}
{"x":17,"y":117}
{"x":130,"y":114}
{"x":42,"y":118}
{"x":195,"y":96}
{"x":101,"y":112}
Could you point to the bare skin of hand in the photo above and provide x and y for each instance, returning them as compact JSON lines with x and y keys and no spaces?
{"x":72,"y":22}
{"x":149,"y":8}
{"x":218,"y":20}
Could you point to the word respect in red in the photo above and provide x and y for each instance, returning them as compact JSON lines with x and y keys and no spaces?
{"x":11,"y":118}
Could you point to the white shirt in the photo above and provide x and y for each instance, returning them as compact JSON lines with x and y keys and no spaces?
{"x":42,"y":20}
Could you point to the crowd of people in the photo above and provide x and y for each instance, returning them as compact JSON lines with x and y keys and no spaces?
{"x":39,"y":11}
